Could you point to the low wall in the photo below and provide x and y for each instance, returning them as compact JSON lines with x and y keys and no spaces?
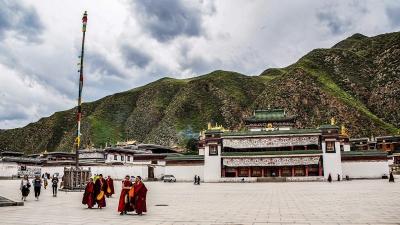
{"x":238,"y":179}
{"x":8,"y":169}
{"x":365,"y":169}
{"x":115,"y":171}
{"x":185,"y":172}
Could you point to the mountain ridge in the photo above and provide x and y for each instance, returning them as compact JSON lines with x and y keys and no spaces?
{"x":357,"y":81}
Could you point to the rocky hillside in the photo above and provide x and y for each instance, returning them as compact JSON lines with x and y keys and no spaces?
{"x":357,"y":81}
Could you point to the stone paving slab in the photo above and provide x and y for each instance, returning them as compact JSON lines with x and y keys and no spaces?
{"x":351,"y":202}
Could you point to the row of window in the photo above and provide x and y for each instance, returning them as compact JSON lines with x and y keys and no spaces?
{"x":128,"y":158}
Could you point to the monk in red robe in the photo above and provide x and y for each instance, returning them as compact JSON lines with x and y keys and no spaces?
{"x":88,"y":196}
{"x":140,"y":196}
{"x":110,"y":187}
{"x":100,"y":189}
{"x":125,"y":202}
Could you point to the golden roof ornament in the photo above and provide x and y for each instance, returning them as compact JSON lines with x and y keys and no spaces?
{"x":269,"y":127}
{"x":333,"y":122}
{"x":343,"y":130}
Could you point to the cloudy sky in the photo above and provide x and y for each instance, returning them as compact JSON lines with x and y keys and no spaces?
{"x":131,"y":43}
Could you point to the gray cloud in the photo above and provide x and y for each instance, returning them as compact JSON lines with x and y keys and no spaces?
{"x":335,"y":24}
{"x":97,"y":63}
{"x":134,"y":56}
{"x":11,"y":112}
{"x":168,"y":19}
{"x":23,"y":20}
{"x":393,"y":13}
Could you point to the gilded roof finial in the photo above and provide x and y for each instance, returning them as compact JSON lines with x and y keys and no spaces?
{"x":343,"y":130}
{"x":333,"y":122}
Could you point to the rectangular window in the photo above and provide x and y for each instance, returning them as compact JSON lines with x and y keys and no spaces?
{"x":122,"y":158}
{"x":115,"y":157}
{"x":243,"y":172}
{"x":129,"y":158}
{"x":213,"y":150}
{"x":330,"y":146}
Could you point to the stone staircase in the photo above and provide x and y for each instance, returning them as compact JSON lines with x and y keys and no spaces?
{"x":7,"y":202}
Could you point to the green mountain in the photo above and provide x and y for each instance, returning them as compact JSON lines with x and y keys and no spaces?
{"x":357,"y":81}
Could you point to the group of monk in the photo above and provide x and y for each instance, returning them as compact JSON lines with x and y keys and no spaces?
{"x":133,"y":194}
{"x":96,"y":191}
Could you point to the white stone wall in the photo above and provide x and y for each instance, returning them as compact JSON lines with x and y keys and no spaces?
{"x":201,"y":151}
{"x":332,"y":161}
{"x":185,"y":172}
{"x":115,"y":171}
{"x":212,"y":165}
{"x":365,"y":169}
{"x":346,"y":147}
{"x":8,"y":169}
{"x":53,"y":169}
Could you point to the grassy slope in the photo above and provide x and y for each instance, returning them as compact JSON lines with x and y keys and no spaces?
{"x":324,"y":83}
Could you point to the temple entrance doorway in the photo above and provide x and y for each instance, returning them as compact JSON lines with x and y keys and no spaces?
{"x":150,"y":171}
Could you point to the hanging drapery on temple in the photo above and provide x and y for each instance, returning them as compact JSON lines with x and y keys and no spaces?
{"x":275,"y":161}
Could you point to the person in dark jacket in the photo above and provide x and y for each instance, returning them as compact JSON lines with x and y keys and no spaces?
{"x":329,"y":178}
{"x":54,"y":185}
{"x":391,"y":177}
{"x":37,"y":185}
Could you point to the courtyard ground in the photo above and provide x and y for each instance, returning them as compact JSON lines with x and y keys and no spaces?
{"x":351,"y":202}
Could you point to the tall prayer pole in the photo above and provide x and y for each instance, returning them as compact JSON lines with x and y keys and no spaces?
{"x":79,"y":115}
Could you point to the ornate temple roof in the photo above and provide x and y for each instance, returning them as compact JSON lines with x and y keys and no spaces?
{"x":269,"y":115}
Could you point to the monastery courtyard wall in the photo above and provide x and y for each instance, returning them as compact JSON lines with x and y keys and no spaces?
{"x":347,"y":202}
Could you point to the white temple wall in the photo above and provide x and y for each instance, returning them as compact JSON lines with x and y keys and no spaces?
{"x":159,"y":171}
{"x":185,"y":172}
{"x":8,"y":169}
{"x":212,"y":165}
{"x":53,"y":169}
{"x":332,"y":161}
{"x":365,"y":169}
{"x":120,"y":171}
{"x":115,"y":171}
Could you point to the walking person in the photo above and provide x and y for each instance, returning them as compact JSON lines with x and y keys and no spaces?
{"x":125,"y":201}
{"x":140,"y":193}
{"x":88,"y":196}
{"x":391,"y":177}
{"x":110,"y":186}
{"x":45,"y":182}
{"x":100,"y":189}
{"x":54,"y":184}
{"x":37,"y":185}
{"x":329,"y":178}
{"x":25,"y":185}
{"x":195,"y":179}
{"x":198,"y":180}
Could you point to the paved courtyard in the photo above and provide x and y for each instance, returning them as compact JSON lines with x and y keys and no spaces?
{"x":352,"y":202}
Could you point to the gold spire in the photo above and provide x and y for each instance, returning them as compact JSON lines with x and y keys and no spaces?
{"x":343,"y":130}
{"x":333,"y":122}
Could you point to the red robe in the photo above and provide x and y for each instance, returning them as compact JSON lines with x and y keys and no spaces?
{"x":140,"y":197}
{"x":88,"y":196}
{"x":125,"y":205}
{"x":110,"y":187}
{"x":99,"y":186}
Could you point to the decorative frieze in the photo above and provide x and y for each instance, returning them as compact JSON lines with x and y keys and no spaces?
{"x":276,"y":161}
{"x":267,"y":142}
